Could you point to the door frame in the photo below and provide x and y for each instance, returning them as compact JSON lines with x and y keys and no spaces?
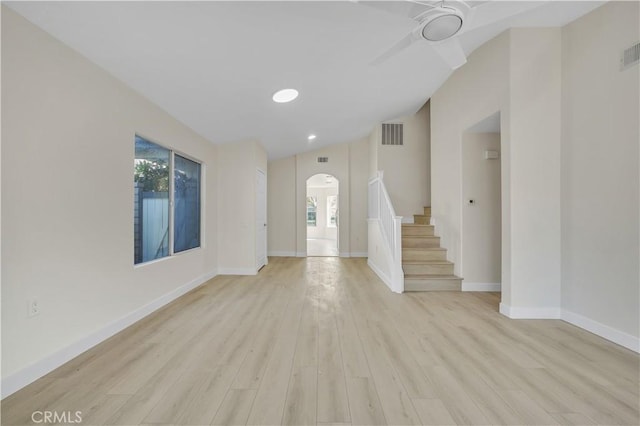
{"x":261,"y":208}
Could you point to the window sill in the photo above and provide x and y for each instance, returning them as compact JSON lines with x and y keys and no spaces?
{"x":162,"y":259}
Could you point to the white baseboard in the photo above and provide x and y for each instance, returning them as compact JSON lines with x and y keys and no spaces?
{"x":616,"y":336}
{"x":303,"y":254}
{"x":481,"y":286}
{"x":29,"y":374}
{"x":599,"y":329}
{"x":406,"y":219}
{"x":282,"y":254}
{"x":237,"y":271}
{"x":529,"y":313}
{"x":385,"y":279}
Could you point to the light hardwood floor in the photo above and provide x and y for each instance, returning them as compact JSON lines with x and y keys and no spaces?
{"x":322,"y":247}
{"x":323,"y":341}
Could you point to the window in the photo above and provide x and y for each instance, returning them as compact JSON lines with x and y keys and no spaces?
{"x":332,"y":211}
{"x":186,"y":223}
{"x":312,"y":205}
{"x":151,"y":206}
{"x":159,"y":230}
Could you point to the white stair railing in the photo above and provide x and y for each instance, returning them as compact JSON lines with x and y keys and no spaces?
{"x":381,"y":210}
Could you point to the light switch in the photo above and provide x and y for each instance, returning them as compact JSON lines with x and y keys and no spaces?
{"x":491,"y":154}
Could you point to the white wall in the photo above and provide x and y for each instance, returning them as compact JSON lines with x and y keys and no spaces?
{"x":281,"y":212}
{"x":348,"y":162}
{"x":600,"y":254}
{"x":237,"y":205}
{"x":67,"y":203}
{"x":475,"y":91}
{"x":358,"y":198}
{"x":518,"y":74}
{"x":535,"y":103}
{"x":373,"y":141}
{"x":481,"y":251}
{"x":322,"y":230}
{"x":407,"y":167}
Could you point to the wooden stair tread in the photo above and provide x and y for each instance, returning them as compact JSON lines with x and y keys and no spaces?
{"x":420,"y":236}
{"x":424,"y":248}
{"x":435,"y":250}
{"x":431,"y":276}
{"x":409,"y":225}
{"x":426,"y":262}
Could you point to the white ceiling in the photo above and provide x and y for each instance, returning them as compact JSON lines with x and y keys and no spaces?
{"x":215,"y":65}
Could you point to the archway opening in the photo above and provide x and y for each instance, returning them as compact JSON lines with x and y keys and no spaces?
{"x":322,"y":215}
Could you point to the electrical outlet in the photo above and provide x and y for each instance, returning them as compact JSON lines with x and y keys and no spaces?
{"x":33,"y":308}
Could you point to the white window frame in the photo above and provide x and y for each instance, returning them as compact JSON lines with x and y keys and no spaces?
{"x":315,"y":224}
{"x":329,"y":224}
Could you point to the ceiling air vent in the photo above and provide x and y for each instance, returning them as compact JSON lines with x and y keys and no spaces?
{"x":630,"y":57}
{"x":323,"y":159}
{"x":392,"y":134}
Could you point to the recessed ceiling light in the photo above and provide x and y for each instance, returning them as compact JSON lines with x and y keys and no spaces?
{"x":311,"y":137}
{"x":285,"y":95}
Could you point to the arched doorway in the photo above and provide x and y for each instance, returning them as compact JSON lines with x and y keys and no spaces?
{"x":322,"y":215}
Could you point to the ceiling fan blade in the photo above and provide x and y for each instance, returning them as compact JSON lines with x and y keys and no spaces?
{"x":494,"y":11}
{"x":451,"y":52}
{"x":395,"y":49}
{"x":408,"y":9}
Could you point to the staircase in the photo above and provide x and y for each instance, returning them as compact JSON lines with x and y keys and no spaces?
{"x":424,"y":262}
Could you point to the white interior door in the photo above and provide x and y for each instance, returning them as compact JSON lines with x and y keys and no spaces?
{"x":261,"y":219}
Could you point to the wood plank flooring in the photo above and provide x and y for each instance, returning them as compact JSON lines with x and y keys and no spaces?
{"x":323,"y":341}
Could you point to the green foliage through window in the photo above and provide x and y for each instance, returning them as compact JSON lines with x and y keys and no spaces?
{"x":152,"y":174}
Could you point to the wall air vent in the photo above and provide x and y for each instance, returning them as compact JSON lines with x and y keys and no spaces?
{"x":323,"y":159}
{"x":392,"y":134}
{"x":630,"y":57}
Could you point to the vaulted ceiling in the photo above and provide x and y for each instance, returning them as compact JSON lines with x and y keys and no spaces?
{"x":215,"y":65}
